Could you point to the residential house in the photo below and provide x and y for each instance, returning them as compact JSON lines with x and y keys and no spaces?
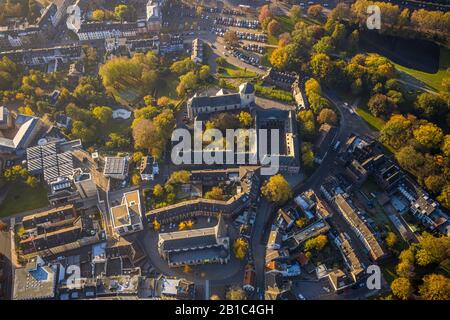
{"x":149,"y":168}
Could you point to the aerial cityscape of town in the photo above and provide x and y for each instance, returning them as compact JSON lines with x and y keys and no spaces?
{"x":224,"y":150}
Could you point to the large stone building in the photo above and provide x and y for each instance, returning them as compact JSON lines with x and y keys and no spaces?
{"x":222,"y":102}
{"x":198,"y":246}
{"x":17,"y":132}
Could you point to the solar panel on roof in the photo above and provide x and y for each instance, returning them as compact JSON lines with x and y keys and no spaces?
{"x":46,"y":158}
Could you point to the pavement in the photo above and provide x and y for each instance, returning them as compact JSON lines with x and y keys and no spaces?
{"x":350,"y":123}
{"x":218,"y":275}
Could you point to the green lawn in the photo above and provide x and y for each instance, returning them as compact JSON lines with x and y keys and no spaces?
{"x":286,"y":23}
{"x":231,"y":71}
{"x":21,"y":198}
{"x":168,"y":86}
{"x":432,"y":80}
{"x":374,"y":122}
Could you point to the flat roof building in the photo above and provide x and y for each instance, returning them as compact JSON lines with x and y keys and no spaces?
{"x":116,"y":167}
{"x":35,"y":281}
{"x":126,"y":217}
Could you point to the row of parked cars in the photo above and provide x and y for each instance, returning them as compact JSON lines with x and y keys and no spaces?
{"x":253,"y":47}
{"x":233,"y":12}
{"x":258,"y":37}
{"x":246,"y":58}
{"x":241,"y":23}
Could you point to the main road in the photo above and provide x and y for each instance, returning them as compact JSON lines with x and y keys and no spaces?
{"x":350,"y":123}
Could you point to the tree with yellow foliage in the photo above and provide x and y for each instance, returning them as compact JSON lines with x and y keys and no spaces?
{"x":187,"y":269}
{"x":216,"y":193}
{"x":240,"y":247}
{"x":245,"y":119}
{"x":236,"y":293}
{"x":156,"y":225}
{"x":189,"y":224}
{"x":402,"y":288}
{"x":301,"y":222}
{"x":435,"y":287}
{"x":277,"y":189}
{"x":135,"y":179}
{"x":391,"y":239}
{"x":182,"y":226}
{"x":279,"y":58}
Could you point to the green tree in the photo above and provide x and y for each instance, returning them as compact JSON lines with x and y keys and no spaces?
{"x":391,"y":239}
{"x":307,"y":124}
{"x":431,"y":105}
{"x":327,"y":116}
{"x":429,"y":135}
{"x":183,"y":66}
{"x":321,"y":66}
{"x":216,"y":193}
{"x":295,"y":13}
{"x":279,"y":58}
{"x":102,"y":114}
{"x":124,"y":12}
{"x":379,"y":105}
{"x":435,"y":184}
{"x":397,"y":131}
{"x":317,"y":243}
{"x":444,"y":197}
{"x":409,"y":158}
{"x":274,"y":28}
{"x":204,"y":72}
{"x":307,"y":155}
{"x":445,"y":147}
{"x":179,"y":177}
{"x":117,"y":141}
{"x":158,"y":191}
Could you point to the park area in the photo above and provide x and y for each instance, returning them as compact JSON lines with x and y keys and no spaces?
{"x":21,"y":197}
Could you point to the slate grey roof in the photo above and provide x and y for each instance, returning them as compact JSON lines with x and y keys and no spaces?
{"x":199,"y":254}
{"x":107,"y":26}
{"x":247,"y":88}
{"x":216,"y":101}
{"x":27,"y":127}
{"x":191,"y":242}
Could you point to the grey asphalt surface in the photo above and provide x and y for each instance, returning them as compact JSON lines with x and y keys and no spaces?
{"x":5,"y":249}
